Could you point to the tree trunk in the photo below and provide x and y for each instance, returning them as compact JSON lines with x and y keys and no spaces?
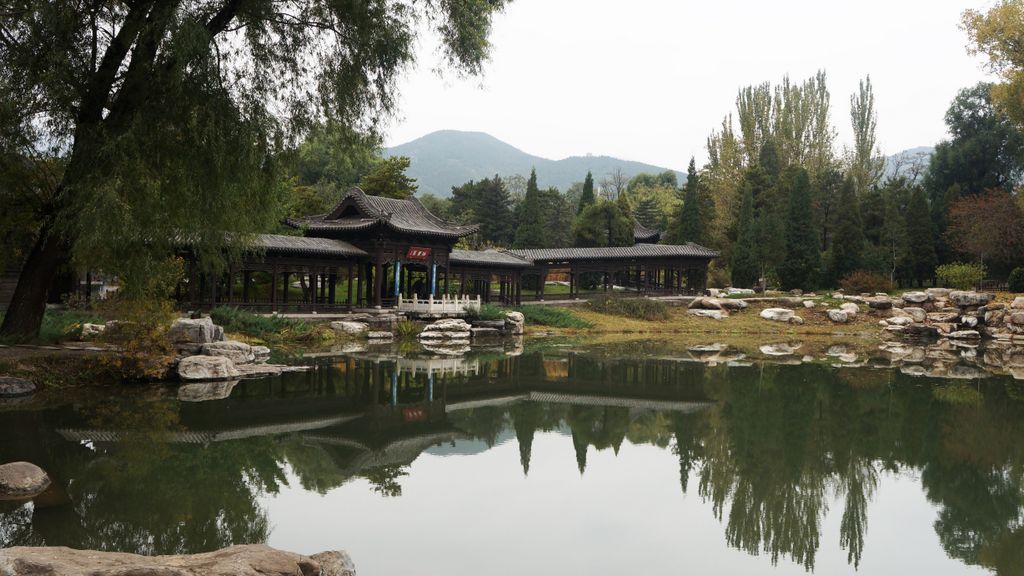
{"x":25,"y":312}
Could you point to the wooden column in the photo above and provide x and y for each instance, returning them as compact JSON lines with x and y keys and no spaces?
{"x":284,"y":287}
{"x":273,"y":288}
{"x":378,"y":272}
{"x":349,"y":282}
{"x":332,"y":287}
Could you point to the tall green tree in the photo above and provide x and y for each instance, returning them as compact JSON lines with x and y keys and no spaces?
{"x":744,"y":263}
{"x":690,"y":225}
{"x":865,"y":160}
{"x":488,"y":204}
{"x":800,"y":267}
{"x":533,"y":226}
{"x":919,"y":258}
{"x":848,"y":246}
{"x":388,"y":179}
{"x":587,"y":196}
{"x":170,"y":116}
{"x":603,"y":224}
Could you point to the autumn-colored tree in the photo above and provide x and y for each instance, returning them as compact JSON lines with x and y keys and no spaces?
{"x":989,"y":227}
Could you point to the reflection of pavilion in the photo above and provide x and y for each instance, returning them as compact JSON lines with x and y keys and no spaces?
{"x":373,"y":410}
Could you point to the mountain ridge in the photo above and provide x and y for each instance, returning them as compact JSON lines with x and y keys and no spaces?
{"x":447,"y":158}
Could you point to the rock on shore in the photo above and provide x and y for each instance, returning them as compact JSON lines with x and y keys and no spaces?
{"x":21,"y":480}
{"x":246,"y":560}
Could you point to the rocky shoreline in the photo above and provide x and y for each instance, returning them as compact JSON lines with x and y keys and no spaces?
{"x":243,"y":560}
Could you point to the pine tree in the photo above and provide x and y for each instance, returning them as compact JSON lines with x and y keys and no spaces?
{"x":689,"y":228}
{"x":647,"y":213}
{"x":802,"y":261}
{"x":603,"y":224}
{"x":893,"y":238}
{"x":587,"y":197}
{"x":848,"y":242}
{"x":919,"y":258}
{"x":532,"y":231}
{"x":744,"y":259}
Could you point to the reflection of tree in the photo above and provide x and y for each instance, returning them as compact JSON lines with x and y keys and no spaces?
{"x":384,"y":479}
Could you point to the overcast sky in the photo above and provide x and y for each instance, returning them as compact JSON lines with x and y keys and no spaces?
{"x":648,"y":80}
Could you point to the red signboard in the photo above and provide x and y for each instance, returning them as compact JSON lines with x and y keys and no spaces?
{"x":417,"y":253}
{"x":414,"y":414}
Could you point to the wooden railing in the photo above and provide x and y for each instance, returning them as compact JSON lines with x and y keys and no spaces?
{"x":443,"y":305}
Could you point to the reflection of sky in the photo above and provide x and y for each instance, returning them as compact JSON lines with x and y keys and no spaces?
{"x":478,"y":515}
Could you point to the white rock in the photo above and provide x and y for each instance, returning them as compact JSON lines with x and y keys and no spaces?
{"x":964,"y":335}
{"x":838,"y":316}
{"x":969,"y":321}
{"x":938,"y":293}
{"x":347,"y":327}
{"x":92,"y":330}
{"x":1018,"y":303}
{"x":900,"y":321}
{"x":778,"y":314}
{"x":970,"y":298}
{"x":238,"y":352}
{"x":379,"y":335}
{"x":918,"y":314}
{"x":207,"y":368}
{"x":715,"y":314}
{"x":808,"y":304}
{"x":448,"y":325}
{"x":195,"y":331}
{"x":916,"y":297}
{"x":850,"y":308}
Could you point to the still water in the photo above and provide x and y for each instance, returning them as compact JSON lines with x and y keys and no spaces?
{"x":627,"y":459}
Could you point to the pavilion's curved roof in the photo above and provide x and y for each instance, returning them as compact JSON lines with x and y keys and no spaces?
{"x":306,"y":246}
{"x":492,"y":258}
{"x":645,"y":235}
{"x":358,"y":211}
{"x":637,"y":251}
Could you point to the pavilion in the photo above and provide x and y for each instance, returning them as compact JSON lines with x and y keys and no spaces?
{"x":371,"y":251}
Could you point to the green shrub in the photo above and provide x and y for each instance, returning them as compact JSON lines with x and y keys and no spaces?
{"x":488,"y":312}
{"x":1016,"y":283}
{"x":960,"y":276}
{"x":861,"y":281}
{"x":639,"y":308}
{"x":719,"y":277}
{"x":407,"y":329}
{"x":552,"y":316}
{"x":264,"y":327}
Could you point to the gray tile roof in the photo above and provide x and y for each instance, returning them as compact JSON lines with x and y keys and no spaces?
{"x":306,"y":246}
{"x":403,"y":216}
{"x":492,"y":258}
{"x":637,"y":251}
{"x":643,"y":234}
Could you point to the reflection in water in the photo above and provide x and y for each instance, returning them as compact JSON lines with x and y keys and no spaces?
{"x":770,"y":446}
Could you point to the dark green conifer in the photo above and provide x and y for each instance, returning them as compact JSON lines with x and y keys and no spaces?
{"x":587,"y":196}
{"x":802,"y":261}
{"x":744,"y":258}
{"x":848,"y":243}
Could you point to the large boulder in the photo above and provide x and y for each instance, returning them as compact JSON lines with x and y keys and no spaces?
{"x":705,"y":304}
{"x":964,"y":335}
{"x":245,"y":560}
{"x":916,"y":297}
{"x":446,"y":329}
{"x":966,"y":299}
{"x":515,"y":323}
{"x":11,"y":387}
{"x":90,"y":331}
{"x":195,"y":331}
{"x":917,"y":314}
{"x":778,"y":314}
{"x":346,"y":327}
{"x":1018,"y":303}
{"x":21,"y":480}
{"x":238,"y":352}
{"x":879,"y":303}
{"x":838,"y":316}
{"x":850,"y":308}
{"x":207,"y":368}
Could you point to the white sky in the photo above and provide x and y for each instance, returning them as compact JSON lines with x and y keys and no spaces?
{"x":648,"y":80}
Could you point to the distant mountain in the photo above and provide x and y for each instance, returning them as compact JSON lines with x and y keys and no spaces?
{"x":449,"y":158}
{"x":910,"y":162}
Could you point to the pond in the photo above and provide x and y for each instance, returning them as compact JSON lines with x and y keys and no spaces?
{"x":646,"y":458}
